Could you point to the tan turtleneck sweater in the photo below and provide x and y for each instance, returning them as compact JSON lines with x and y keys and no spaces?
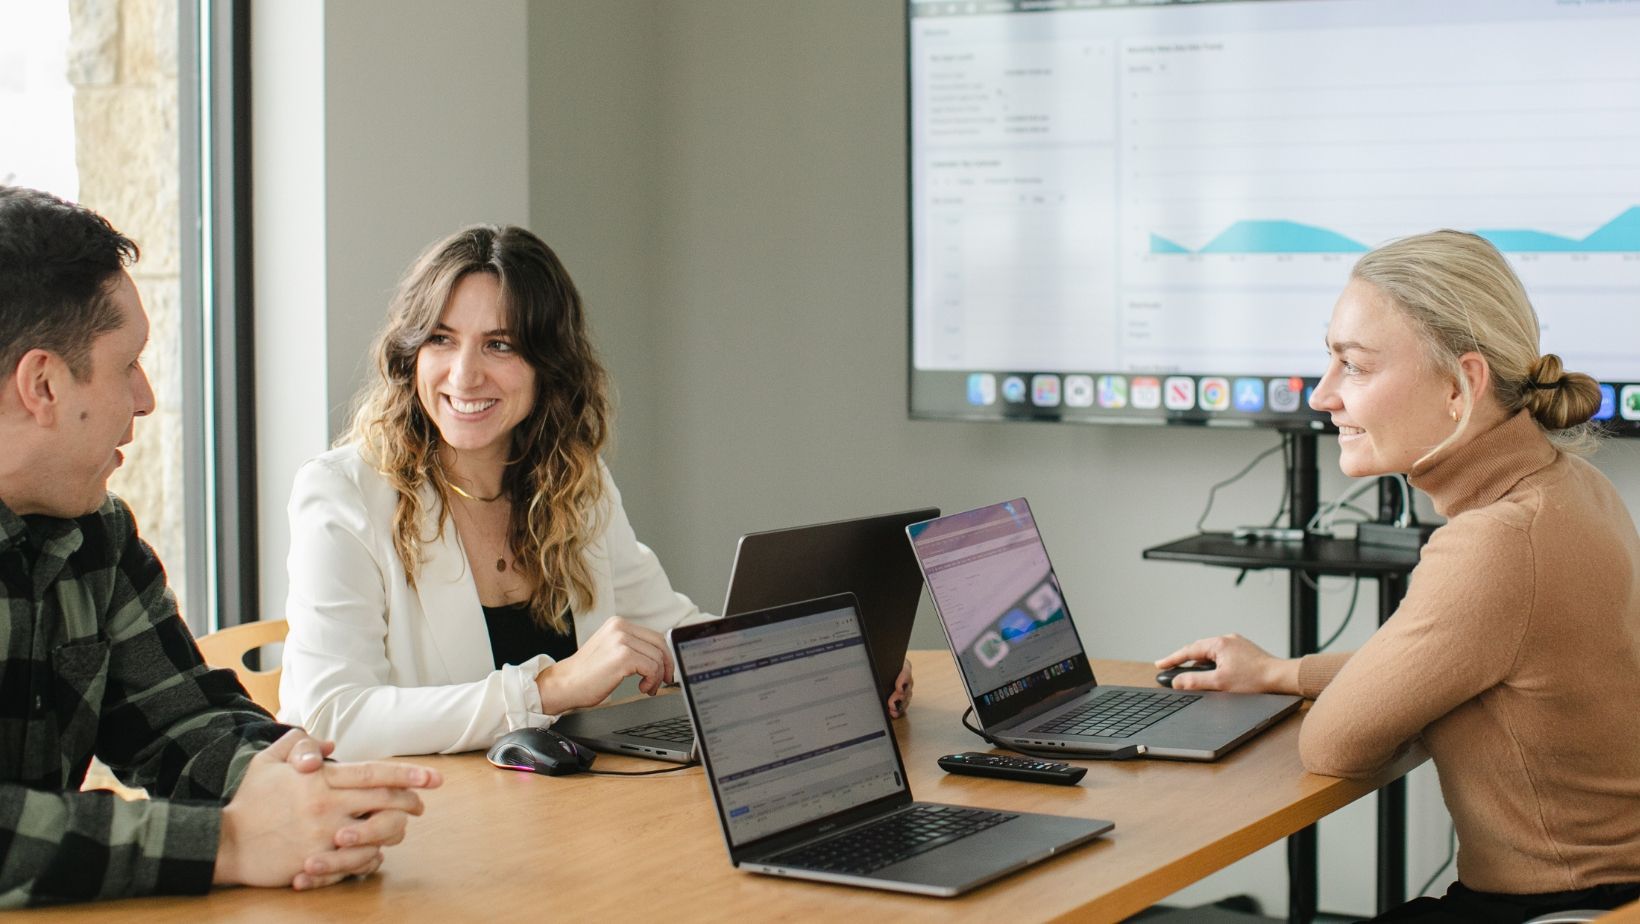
{"x":1516,"y":657}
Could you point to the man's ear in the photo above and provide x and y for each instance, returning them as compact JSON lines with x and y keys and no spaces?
{"x":37,"y":378}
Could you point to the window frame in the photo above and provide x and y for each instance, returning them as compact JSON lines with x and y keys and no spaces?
{"x":218,"y":349}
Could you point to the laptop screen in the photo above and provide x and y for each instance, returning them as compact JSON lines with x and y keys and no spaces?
{"x":867,"y":557}
{"x":789,"y":719}
{"x":996,"y":595}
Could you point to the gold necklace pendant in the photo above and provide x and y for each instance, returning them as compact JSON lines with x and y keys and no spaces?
{"x":501,"y":564}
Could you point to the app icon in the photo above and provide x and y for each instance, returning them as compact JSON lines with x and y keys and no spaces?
{"x":1145,"y":393}
{"x":1215,"y":394}
{"x":1078,"y":391}
{"x":1044,"y":603}
{"x":1179,"y":391}
{"x":1013,"y":389}
{"x":990,"y":649}
{"x":1629,"y":403}
{"x":1249,"y":395}
{"x":982,"y":388}
{"x":1608,"y":403}
{"x":1284,"y":394}
{"x":1045,"y":390}
{"x":1113,"y":391}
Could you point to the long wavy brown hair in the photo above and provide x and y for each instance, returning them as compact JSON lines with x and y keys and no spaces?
{"x":552,"y":479}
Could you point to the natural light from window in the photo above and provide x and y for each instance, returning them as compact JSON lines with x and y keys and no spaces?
{"x":36,"y":100}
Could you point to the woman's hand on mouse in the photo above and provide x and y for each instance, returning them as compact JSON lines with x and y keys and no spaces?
{"x":616,"y":651}
{"x":900,"y":700}
{"x":1243,"y":667}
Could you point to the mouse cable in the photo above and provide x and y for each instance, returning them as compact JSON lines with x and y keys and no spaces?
{"x":688,"y":766}
{"x":1126,"y":753}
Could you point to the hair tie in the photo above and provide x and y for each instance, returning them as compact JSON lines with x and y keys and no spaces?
{"x":1546,"y":385}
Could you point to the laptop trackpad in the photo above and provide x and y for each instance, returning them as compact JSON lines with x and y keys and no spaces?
{"x":997,"y":850}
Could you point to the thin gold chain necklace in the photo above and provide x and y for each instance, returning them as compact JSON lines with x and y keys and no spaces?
{"x":457,"y":488}
{"x":501,"y":562}
{"x":483,"y":500}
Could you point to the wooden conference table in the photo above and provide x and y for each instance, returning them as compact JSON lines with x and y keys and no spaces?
{"x":508,"y":846}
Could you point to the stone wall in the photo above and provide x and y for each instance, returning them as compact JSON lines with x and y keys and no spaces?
{"x":123,"y":67}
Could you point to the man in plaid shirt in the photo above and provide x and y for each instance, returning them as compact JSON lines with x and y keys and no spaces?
{"x":94,"y":659}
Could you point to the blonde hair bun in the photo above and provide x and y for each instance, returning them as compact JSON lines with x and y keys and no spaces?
{"x":1558,"y":399}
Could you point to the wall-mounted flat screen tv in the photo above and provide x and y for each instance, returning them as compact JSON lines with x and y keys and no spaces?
{"x":1143,"y":212}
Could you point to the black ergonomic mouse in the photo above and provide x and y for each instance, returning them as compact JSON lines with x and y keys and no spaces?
{"x":1165,"y":678}
{"x":539,"y":750}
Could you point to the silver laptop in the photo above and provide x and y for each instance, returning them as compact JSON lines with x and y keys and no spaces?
{"x":1027,"y":675}
{"x":805,"y":771}
{"x":868,"y":557}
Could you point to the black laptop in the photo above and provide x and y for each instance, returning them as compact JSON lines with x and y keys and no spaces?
{"x":868,"y":557}
{"x":805,"y":772}
{"x":1022,"y":662}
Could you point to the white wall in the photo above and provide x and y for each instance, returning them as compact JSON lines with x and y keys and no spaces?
{"x":594,"y":113}
{"x":726,"y":181}
{"x":378,"y":127}
{"x":291,"y":266}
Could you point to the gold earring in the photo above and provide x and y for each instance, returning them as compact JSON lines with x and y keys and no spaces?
{"x":1454,"y":416}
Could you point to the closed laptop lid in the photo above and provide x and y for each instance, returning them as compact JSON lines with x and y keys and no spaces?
{"x":867,"y":557}
{"x":1000,"y":605}
{"x":791,"y":730}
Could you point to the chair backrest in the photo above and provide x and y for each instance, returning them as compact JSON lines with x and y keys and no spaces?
{"x":227,"y":648}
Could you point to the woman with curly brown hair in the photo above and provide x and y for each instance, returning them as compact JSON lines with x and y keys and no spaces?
{"x":1514,"y":659}
{"x":460,"y":564}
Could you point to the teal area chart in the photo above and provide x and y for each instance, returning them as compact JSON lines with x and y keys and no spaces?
{"x":1620,"y":235}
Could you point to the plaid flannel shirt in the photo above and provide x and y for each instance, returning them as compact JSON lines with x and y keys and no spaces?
{"x":95,"y":660}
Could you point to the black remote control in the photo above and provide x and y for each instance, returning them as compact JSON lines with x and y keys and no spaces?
{"x":1013,"y":768}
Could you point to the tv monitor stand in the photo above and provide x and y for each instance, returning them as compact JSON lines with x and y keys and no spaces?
{"x":1315,"y":556}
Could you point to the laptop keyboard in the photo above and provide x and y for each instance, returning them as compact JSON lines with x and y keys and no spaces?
{"x":889,"y":840}
{"x":676,"y":730}
{"x":1117,"y":714}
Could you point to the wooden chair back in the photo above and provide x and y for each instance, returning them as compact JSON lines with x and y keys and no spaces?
{"x":227,"y":648}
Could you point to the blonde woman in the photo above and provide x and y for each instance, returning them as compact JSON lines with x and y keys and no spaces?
{"x":1515,"y":657}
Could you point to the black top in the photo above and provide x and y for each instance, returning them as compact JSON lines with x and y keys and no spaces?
{"x":515,"y":637}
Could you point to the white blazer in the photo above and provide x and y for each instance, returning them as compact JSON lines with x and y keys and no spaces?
{"x":384,"y":670}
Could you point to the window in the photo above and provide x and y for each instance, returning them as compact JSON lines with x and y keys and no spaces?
{"x":130,"y":110}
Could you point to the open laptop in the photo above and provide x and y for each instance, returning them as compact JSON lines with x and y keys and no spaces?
{"x":805,"y":772}
{"x":1027,"y":675}
{"x":868,"y":557}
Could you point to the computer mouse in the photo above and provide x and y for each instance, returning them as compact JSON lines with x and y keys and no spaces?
{"x":1165,"y":678}
{"x":539,"y":750}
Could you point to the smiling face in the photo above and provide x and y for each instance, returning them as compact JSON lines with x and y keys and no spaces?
{"x":470,"y":379}
{"x":97,"y":413}
{"x":1389,"y":401}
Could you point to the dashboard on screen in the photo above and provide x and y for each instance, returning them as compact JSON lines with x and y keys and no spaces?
{"x":1143,"y":212}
